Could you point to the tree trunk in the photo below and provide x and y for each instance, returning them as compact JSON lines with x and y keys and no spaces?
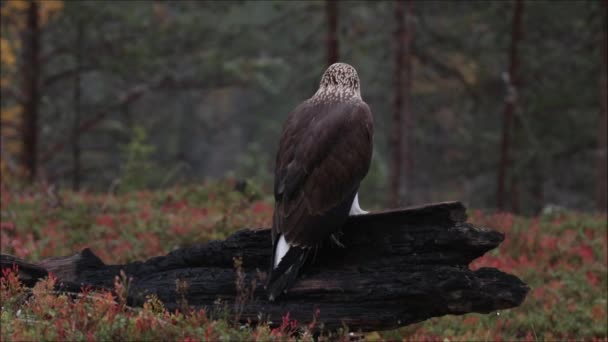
{"x":602,"y":141}
{"x":396,"y":143}
{"x":331,"y":11}
{"x":512,"y":83}
{"x":30,"y":70}
{"x":408,"y":120}
{"x":77,"y":108}
{"x":397,"y":268}
{"x":401,"y":159}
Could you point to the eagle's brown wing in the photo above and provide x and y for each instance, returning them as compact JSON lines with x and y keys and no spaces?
{"x":324,"y":153}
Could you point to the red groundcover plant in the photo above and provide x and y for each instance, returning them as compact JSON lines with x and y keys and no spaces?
{"x":561,"y":256}
{"x":41,"y":313}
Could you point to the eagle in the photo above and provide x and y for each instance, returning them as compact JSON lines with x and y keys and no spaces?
{"x":324,"y":152}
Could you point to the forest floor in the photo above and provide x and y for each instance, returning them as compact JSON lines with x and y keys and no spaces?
{"x":562,"y":256}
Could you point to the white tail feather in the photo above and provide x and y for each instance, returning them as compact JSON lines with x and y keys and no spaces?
{"x":355,"y":209}
{"x":280,"y":251}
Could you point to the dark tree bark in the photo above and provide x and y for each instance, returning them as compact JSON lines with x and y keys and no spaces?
{"x":602,"y":141}
{"x":408,"y":118}
{"x":400,"y":169}
{"x":30,"y":71}
{"x":397,"y":268}
{"x":76,"y":167}
{"x":331,"y":11}
{"x":512,"y":84}
{"x":396,"y":137}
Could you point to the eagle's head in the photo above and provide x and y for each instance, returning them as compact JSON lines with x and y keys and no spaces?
{"x":340,"y":80}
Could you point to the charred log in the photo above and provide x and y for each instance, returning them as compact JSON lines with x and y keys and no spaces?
{"x":397,"y":268}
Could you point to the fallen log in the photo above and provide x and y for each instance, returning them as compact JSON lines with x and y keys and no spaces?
{"x":397,"y":267}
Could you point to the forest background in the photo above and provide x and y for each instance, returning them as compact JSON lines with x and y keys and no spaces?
{"x":138,"y":127}
{"x":498,"y":105}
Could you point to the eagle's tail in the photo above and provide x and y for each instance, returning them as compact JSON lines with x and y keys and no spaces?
{"x":283,"y":276}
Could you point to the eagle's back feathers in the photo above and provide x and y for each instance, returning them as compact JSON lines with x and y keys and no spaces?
{"x":324,"y":153}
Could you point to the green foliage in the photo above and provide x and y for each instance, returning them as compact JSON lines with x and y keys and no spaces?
{"x":139,"y":171}
{"x":255,"y":164}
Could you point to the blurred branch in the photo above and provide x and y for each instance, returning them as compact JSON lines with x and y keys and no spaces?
{"x":66,"y":74}
{"x":172,"y":83}
{"x":444,"y":70}
{"x":290,"y":15}
{"x":14,"y":93}
{"x":127,"y":98}
{"x":439,"y":39}
{"x":47,"y":57}
{"x":575,"y":149}
{"x":11,"y":125}
{"x":68,"y":171}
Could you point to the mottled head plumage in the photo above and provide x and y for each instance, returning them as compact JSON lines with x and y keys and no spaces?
{"x":339,"y":81}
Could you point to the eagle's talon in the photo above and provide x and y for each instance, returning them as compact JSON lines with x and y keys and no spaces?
{"x":336,"y":241}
